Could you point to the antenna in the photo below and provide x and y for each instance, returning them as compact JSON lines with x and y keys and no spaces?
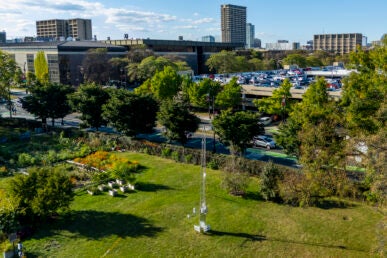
{"x":203,"y":227}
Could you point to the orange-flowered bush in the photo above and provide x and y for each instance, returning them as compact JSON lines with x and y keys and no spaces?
{"x":103,"y":160}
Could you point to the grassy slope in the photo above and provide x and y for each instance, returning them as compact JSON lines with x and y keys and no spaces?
{"x":152,"y":222}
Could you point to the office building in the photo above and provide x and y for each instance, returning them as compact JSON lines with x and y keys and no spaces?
{"x":78,"y":29}
{"x":233,"y":23}
{"x":3,"y":37}
{"x":257,"y":43}
{"x":64,"y":58}
{"x":337,"y":43}
{"x":208,"y":38}
{"x":195,"y":53}
{"x":250,"y":34}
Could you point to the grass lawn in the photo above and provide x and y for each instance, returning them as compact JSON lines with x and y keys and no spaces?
{"x":153,"y":222}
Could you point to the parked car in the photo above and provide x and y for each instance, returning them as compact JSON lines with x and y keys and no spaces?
{"x":266,"y":120}
{"x":263,"y":141}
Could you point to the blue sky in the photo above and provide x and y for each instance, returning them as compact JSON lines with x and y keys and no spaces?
{"x":296,"y":21}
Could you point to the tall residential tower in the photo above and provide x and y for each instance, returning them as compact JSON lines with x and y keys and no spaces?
{"x":250,"y":35}
{"x":233,"y":23}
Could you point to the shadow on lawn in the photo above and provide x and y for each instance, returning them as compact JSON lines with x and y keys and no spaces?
{"x":260,"y":238}
{"x":97,"y":224}
{"x":150,"y":187}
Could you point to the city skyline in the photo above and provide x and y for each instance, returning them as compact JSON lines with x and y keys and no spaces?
{"x":297,"y":21}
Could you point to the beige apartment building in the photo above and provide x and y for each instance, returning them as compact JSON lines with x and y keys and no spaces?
{"x":79,"y":29}
{"x":337,"y":43}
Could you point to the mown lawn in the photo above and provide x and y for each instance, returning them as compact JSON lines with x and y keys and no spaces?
{"x":153,"y":222}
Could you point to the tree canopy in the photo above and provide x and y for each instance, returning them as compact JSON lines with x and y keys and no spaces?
{"x":279,"y":103}
{"x":41,"y":67}
{"x":130,"y":113}
{"x":201,"y":94}
{"x":88,"y":100}
{"x":7,"y":76}
{"x":49,"y":100}
{"x":230,"y":96}
{"x":42,"y":193}
{"x":237,"y":129}
{"x":164,"y":84}
{"x":177,"y":120}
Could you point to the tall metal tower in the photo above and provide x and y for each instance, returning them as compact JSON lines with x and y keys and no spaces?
{"x":203,"y":227}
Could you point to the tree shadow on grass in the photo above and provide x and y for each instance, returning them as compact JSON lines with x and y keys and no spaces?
{"x":96,"y":225}
{"x":334,"y":204}
{"x":150,"y":187}
{"x":260,"y":238}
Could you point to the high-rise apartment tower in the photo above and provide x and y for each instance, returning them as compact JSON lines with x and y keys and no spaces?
{"x":337,"y":43}
{"x":233,"y":23}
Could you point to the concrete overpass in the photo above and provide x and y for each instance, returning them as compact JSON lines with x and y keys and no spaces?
{"x":252,"y":92}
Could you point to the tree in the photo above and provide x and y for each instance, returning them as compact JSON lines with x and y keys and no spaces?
{"x":364,"y":103}
{"x":48,"y":101}
{"x":163,"y":85}
{"x":202,"y":94}
{"x":295,"y":59}
{"x":177,"y":120}
{"x":222,"y":62}
{"x":230,"y":96}
{"x":88,"y":100}
{"x":312,"y":133}
{"x":96,"y":66}
{"x":130,"y":113}
{"x":41,"y":67}
{"x":237,"y":129}
{"x":148,"y":67}
{"x":279,"y":102}
{"x":42,"y":193}
{"x":7,"y":76}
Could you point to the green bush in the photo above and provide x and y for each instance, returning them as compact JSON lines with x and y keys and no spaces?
{"x":166,"y":152}
{"x":188,"y":158}
{"x":25,"y":160}
{"x":235,"y":183}
{"x":175,"y":156}
{"x":213,"y":164}
{"x":270,"y":178}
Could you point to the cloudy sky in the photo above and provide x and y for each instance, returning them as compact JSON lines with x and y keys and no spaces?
{"x":296,"y":21}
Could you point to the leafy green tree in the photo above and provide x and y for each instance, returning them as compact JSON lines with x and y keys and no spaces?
{"x":88,"y":100}
{"x":364,"y":103}
{"x":313,"y":61}
{"x":48,"y":101}
{"x":41,"y":67}
{"x":96,"y":67}
{"x":201,"y":94}
{"x":296,"y":59}
{"x":163,"y":85}
{"x":177,"y":120}
{"x":279,"y":103}
{"x":222,"y":62}
{"x":237,"y":129}
{"x":7,"y":76}
{"x":130,"y":113}
{"x":313,"y":126}
{"x":148,"y":67}
{"x":230,"y":96}
{"x":42,"y":193}
{"x":8,"y":214}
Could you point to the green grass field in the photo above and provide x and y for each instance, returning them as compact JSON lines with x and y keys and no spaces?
{"x":153,"y":222}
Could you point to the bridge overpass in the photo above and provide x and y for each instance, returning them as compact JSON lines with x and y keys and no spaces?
{"x":252,"y":92}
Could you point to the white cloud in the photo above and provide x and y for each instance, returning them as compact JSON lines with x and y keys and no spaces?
{"x":19,"y":17}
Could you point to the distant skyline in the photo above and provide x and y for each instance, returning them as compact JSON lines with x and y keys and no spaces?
{"x":296,"y":21}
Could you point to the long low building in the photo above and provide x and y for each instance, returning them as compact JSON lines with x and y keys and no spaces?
{"x":195,"y":53}
{"x":64,"y":57}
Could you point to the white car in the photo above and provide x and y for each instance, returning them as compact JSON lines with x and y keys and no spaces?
{"x":265,"y":120}
{"x":263,"y":141}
